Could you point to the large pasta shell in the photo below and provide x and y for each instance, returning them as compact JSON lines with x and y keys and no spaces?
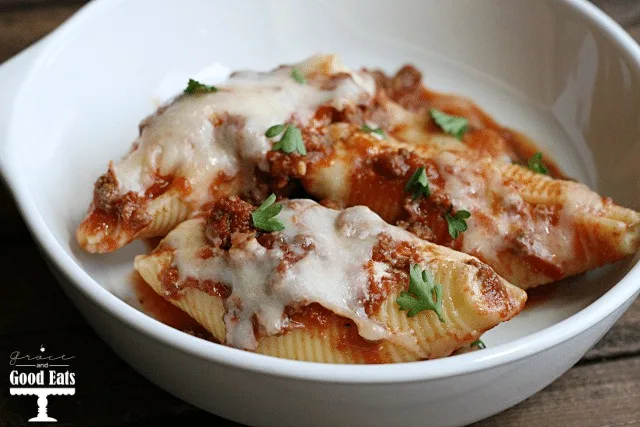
{"x":474,"y":298}
{"x":532,"y":229}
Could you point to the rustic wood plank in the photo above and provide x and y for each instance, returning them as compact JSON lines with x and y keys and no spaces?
{"x":604,"y":394}
{"x":32,"y":299}
{"x":625,"y":12}
{"x":622,"y":340}
{"x":23,"y":26}
{"x":9,"y":5}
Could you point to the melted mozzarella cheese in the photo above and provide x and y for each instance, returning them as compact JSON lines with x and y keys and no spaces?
{"x":321,"y":258}
{"x":469,"y":190}
{"x":477,"y":186}
{"x":200,"y":136}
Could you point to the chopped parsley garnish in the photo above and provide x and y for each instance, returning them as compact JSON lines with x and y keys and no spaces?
{"x":298,"y":76}
{"x":536,"y":165}
{"x":196,"y":87}
{"x":418,"y":184}
{"x":290,"y":142}
{"x":424,"y":293}
{"x":456,"y":222}
{"x":264,"y":217}
{"x":453,"y":125}
{"x":274,"y":130}
{"x":378,"y":131}
{"x":478,"y":344}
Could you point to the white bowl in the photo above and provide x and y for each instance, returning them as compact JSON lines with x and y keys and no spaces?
{"x":561,"y":71}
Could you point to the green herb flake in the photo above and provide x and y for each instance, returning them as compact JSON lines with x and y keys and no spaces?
{"x":536,"y":165}
{"x":453,"y":125}
{"x":275,"y":130}
{"x":264,"y":217}
{"x":418,"y":184}
{"x":196,"y":87}
{"x":291,"y":141}
{"x":456,"y":222}
{"x":478,"y":344}
{"x":378,"y":131}
{"x":298,"y":76}
{"x":423,"y":294}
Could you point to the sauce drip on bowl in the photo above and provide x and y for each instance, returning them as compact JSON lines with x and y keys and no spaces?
{"x":163,"y":311}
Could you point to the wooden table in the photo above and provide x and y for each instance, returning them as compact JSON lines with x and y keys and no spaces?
{"x":602,"y":389}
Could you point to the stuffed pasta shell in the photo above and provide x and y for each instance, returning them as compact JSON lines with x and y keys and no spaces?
{"x":208,"y":143}
{"x":530,"y":228}
{"x":301,"y":281}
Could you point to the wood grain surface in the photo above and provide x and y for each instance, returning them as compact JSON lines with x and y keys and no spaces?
{"x":603,"y":389}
